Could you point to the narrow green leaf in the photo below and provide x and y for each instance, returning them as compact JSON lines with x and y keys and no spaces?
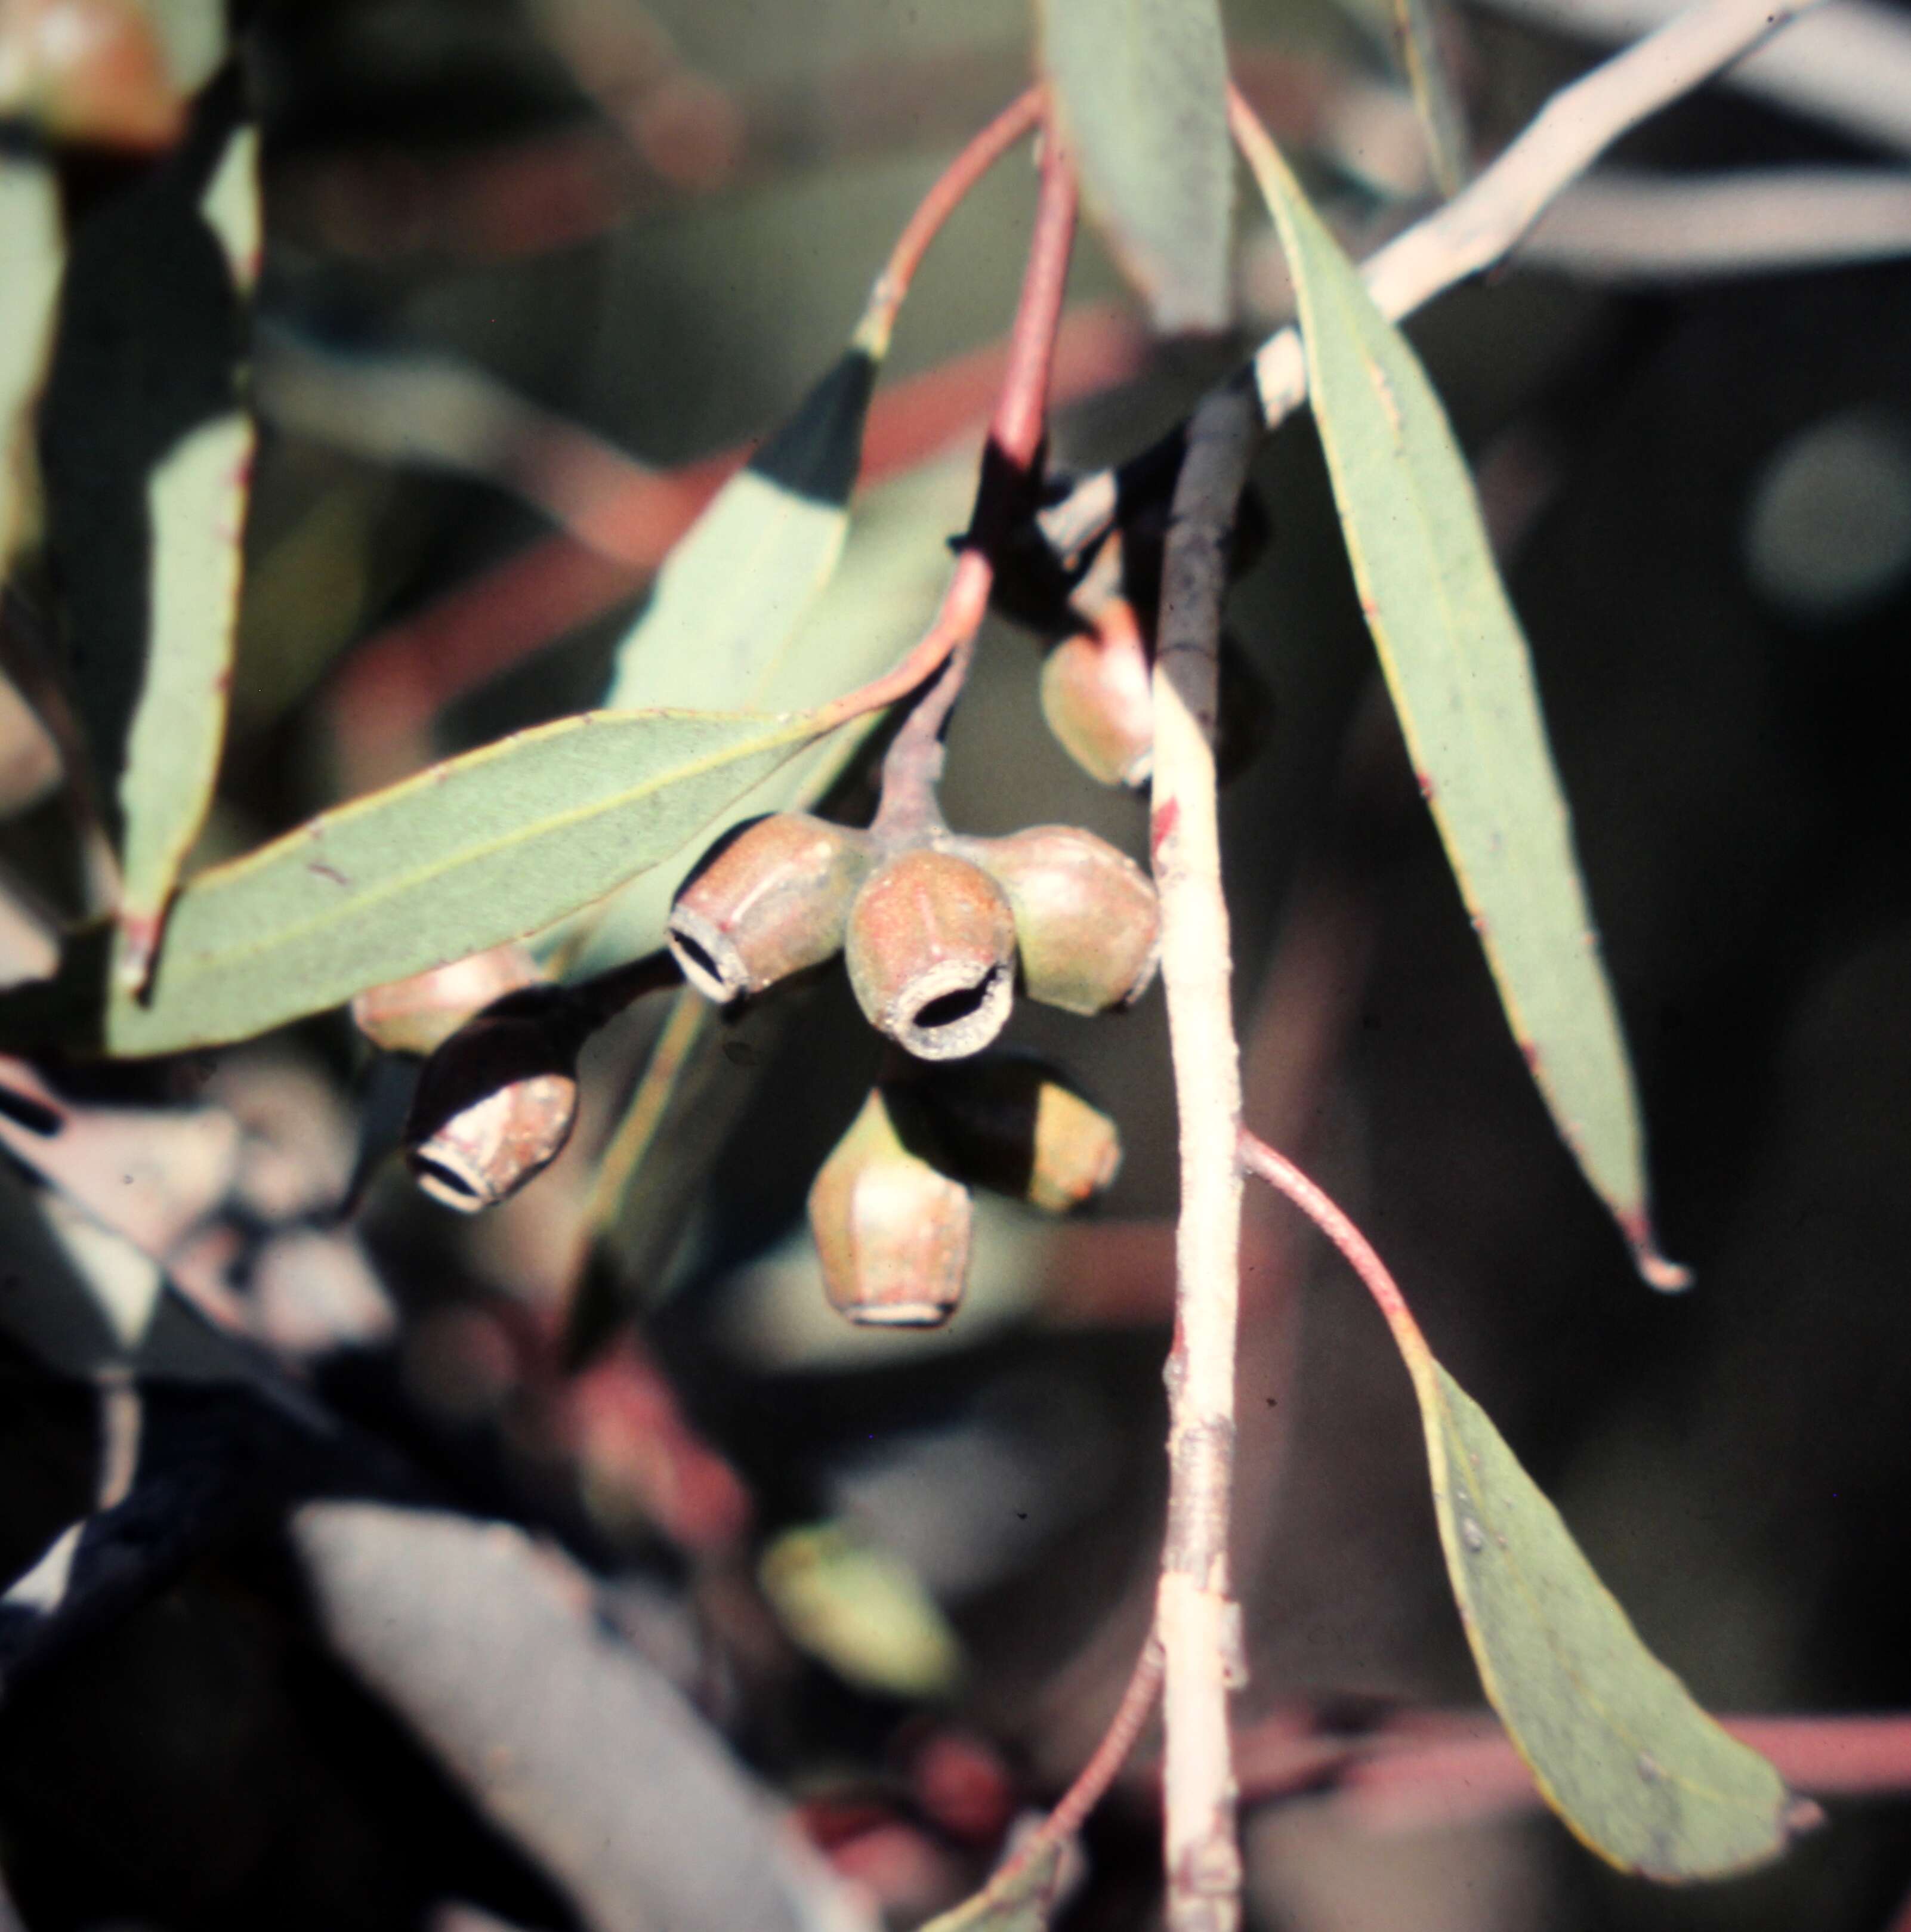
{"x":732,"y":593}
{"x":485,"y":848}
{"x":31,"y":247}
{"x":1458,"y":667}
{"x":196,"y":504}
{"x":1016,"y":1900}
{"x":1142,"y":86}
{"x":146,"y":448}
{"x":1614,"y":1742}
{"x":882,"y":598}
{"x":1445,"y":127}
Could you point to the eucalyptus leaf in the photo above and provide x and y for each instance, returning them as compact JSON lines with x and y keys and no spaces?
{"x":146,"y":448}
{"x":32,"y":247}
{"x":484,"y":848}
{"x":1462,"y":680}
{"x":1016,"y":1900}
{"x":196,"y":510}
{"x":1142,"y":87}
{"x":732,"y":592}
{"x":1615,"y":1742}
{"x":1417,"y":32}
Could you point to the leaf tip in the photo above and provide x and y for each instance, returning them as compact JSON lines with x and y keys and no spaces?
{"x":139,"y":946}
{"x":1668,"y":1276}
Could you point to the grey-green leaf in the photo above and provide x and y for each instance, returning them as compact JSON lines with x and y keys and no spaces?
{"x":196,"y":503}
{"x":1142,"y":86}
{"x":1614,"y":1742}
{"x":1458,"y":667}
{"x":32,"y":248}
{"x":196,"y":509}
{"x":1417,"y":32}
{"x":733,"y":591}
{"x":485,"y":848}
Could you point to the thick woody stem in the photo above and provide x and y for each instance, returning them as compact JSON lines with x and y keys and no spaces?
{"x":1197,"y":1620}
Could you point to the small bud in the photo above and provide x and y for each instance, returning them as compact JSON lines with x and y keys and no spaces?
{"x":1087,"y":920}
{"x":496,"y":1102}
{"x":892,"y":1230}
{"x":931,"y":952}
{"x":419,"y":1015}
{"x":1096,"y":696}
{"x":767,"y":901}
{"x":1014,"y":1125}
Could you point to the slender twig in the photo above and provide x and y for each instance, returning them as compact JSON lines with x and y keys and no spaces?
{"x":1477,"y":228}
{"x":1091,"y":1782}
{"x":912,"y":766}
{"x":951,"y":189}
{"x":1629,"y":227}
{"x":1419,"y":1767}
{"x":1265,"y":1164}
{"x":1196,"y":1616}
{"x":1016,"y":433}
{"x":1103,"y":1766}
{"x":1849,"y":67}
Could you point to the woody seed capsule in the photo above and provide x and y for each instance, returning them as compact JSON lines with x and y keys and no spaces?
{"x":1096,"y":696}
{"x":1087,"y":922}
{"x":768,"y":901}
{"x":419,"y":1015}
{"x":931,"y":949}
{"x":892,"y":1230}
{"x":495,"y":1103}
{"x":1011,"y":1123}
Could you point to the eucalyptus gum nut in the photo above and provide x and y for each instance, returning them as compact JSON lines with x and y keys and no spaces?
{"x":1087,"y":921}
{"x":495,"y":1103}
{"x":892,"y":1230}
{"x":766,"y":902}
{"x":419,"y":1015}
{"x":931,"y":949}
{"x":1014,"y":1125}
{"x":1097,"y":697}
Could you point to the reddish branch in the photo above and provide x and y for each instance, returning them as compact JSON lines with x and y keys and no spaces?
{"x":1423,"y":1767}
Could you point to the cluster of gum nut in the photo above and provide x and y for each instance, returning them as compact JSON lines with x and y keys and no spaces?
{"x":935,"y":936}
{"x":935,"y":929}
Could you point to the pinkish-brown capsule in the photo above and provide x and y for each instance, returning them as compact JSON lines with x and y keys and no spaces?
{"x":495,"y":1103}
{"x":1087,"y":922}
{"x":1097,"y":697}
{"x":768,"y":901}
{"x":930,"y":948}
{"x":1010,"y":1123}
{"x":419,"y":1015}
{"x":892,"y":1230}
